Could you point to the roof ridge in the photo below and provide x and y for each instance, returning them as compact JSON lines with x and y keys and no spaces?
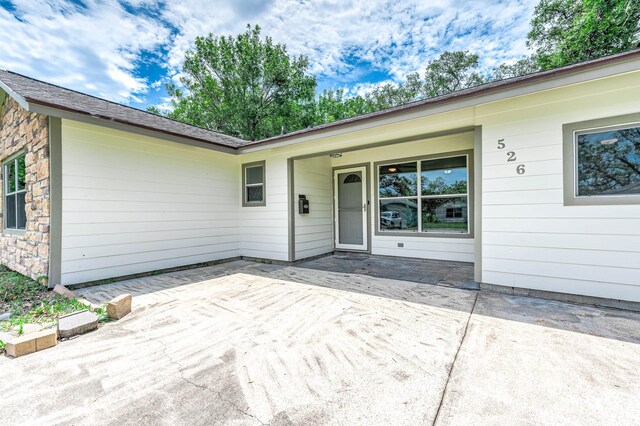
{"x":122,"y":105}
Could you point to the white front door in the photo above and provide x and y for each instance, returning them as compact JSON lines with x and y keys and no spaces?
{"x":350,"y":204}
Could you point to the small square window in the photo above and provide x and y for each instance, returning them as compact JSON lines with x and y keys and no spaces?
{"x":253,"y":184}
{"x":15,"y":216}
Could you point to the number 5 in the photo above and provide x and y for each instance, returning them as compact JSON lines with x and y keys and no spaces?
{"x":520,"y":169}
{"x":501,"y":144}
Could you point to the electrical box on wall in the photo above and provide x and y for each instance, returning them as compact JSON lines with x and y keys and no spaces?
{"x":303,"y":204}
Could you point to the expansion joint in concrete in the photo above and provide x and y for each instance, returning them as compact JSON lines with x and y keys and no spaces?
{"x":455,"y":358}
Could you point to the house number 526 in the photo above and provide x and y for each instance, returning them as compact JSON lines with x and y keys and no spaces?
{"x":511,"y":157}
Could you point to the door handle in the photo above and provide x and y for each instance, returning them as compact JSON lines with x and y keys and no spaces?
{"x":364,"y":207}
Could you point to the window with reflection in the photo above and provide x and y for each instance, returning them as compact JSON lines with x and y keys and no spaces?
{"x":427,"y":196}
{"x":15,"y":191}
{"x":608,"y":162}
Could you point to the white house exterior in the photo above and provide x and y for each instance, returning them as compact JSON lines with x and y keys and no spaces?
{"x":488,"y":175}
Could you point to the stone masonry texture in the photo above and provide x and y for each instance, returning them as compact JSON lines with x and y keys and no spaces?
{"x":20,"y":130}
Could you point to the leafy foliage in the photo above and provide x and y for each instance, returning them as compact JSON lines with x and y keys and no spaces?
{"x":30,"y":302}
{"x":243,"y":86}
{"x":450,"y":72}
{"x":569,"y":31}
{"x":253,"y":89}
{"x":609,"y":168}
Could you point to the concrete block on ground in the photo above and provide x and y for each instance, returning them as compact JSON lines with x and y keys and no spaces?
{"x":28,"y":328}
{"x":46,"y":338}
{"x":119,"y":306}
{"x":29,"y":343}
{"x":63,"y":291}
{"x":5,"y":316}
{"x":20,"y":346}
{"x":77,"y":323}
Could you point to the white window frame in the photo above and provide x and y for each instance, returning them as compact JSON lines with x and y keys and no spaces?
{"x":245,"y":185}
{"x":571,"y":131}
{"x":468,"y":154}
{"x":5,"y":166}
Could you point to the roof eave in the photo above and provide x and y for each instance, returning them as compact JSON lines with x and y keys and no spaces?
{"x":81,"y":116}
{"x":15,"y":96}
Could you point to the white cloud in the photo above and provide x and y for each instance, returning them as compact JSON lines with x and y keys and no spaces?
{"x":96,"y":48}
{"x":91,"y":49}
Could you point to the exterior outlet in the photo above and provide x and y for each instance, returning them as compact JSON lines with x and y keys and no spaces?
{"x":400,"y":244}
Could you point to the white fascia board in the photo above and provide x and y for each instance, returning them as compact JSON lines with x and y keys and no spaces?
{"x":16,"y":97}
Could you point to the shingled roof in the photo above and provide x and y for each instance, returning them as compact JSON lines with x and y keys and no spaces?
{"x":49,"y":95}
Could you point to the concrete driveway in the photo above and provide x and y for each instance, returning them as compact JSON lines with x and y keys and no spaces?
{"x":246,"y":343}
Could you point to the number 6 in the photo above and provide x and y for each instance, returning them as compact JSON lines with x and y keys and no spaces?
{"x":520,"y":169}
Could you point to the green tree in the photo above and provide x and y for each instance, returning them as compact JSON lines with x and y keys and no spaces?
{"x":568,"y":31}
{"x":450,"y":72}
{"x":447,"y":73}
{"x":243,"y":86}
{"x":523,"y":66}
{"x":333,"y":105}
{"x":389,"y":95}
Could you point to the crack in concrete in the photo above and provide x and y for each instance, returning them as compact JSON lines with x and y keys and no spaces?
{"x":204,"y":387}
{"x":455,"y":358}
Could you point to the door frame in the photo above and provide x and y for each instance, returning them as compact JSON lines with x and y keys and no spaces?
{"x":367,"y":192}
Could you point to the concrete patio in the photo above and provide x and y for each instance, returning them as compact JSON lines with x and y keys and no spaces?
{"x":250,"y":343}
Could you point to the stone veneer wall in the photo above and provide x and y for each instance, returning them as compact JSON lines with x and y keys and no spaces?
{"x":27,"y":252}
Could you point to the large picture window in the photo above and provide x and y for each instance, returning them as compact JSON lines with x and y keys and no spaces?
{"x":253,"y":183}
{"x":424,"y":196}
{"x":14,"y":190}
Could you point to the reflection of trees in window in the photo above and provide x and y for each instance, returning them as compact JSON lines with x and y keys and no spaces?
{"x":399,"y":180}
{"x":609,"y":162}
{"x":438,"y":204}
{"x":440,"y":186}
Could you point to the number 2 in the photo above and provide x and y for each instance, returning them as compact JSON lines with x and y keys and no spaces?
{"x":511,"y":156}
{"x":501,"y":144}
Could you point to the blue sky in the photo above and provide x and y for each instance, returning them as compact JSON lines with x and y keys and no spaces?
{"x":126,"y":50}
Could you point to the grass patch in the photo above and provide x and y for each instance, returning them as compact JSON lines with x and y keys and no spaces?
{"x":29,"y":302}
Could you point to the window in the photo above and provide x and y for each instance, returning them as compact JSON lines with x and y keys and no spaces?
{"x":14,"y":189}
{"x":253,"y":182}
{"x":602,"y":162}
{"x":424,"y":196}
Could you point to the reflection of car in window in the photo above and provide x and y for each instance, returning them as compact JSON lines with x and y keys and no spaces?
{"x":391,"y":220}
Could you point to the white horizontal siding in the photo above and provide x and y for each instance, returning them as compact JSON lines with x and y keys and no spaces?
{"x":530,"y":239}
{"x":456,"y":249}
{"x":314,"y":231}
{"x":134,"y":204}
{"x":264,"y":230}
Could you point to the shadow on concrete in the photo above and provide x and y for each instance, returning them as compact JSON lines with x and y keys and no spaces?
{"x":448,"y":293}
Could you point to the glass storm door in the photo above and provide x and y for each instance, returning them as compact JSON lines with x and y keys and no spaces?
{"x":351,"y":208}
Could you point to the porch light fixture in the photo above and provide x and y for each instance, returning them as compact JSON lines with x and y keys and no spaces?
{"x":446,"y":172}
{"x":335,"y":155}
{"x":393,"y":169}
{"x":608,"y":141}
